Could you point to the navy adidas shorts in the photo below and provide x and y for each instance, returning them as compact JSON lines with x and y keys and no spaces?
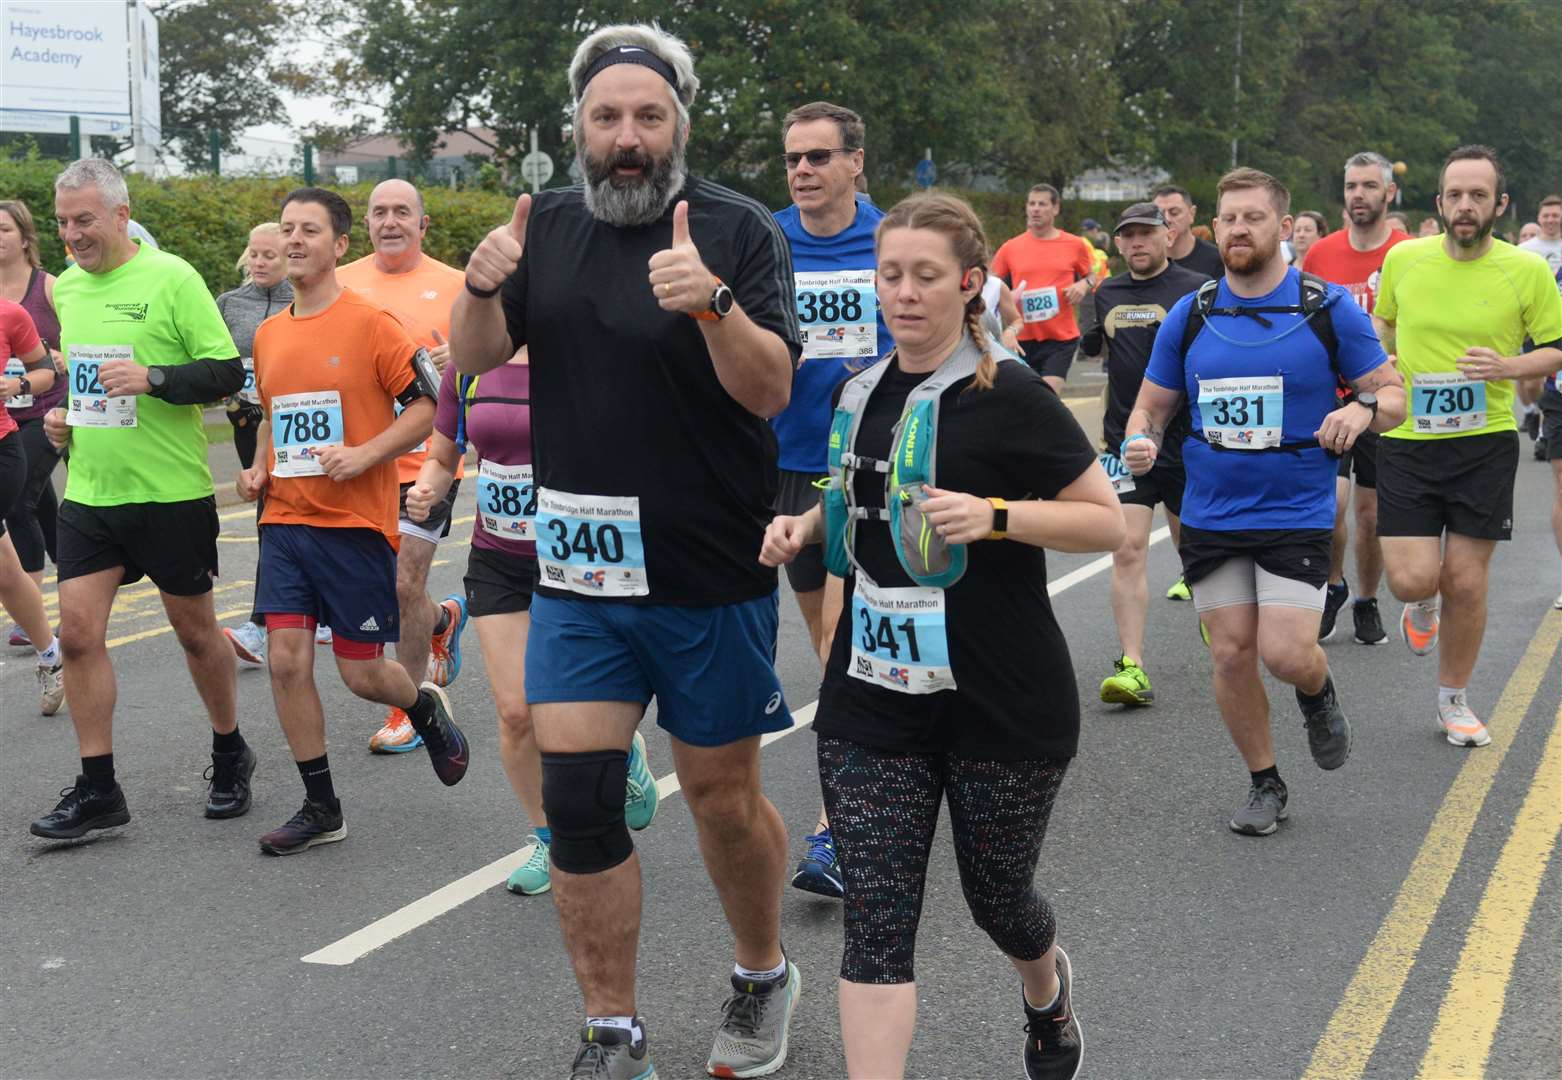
{"x":712,"y":670}
{"x":342,"y":578}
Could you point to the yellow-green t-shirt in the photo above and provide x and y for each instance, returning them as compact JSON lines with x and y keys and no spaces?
{"x":157,"y":306}
{"x":1441,"y":307}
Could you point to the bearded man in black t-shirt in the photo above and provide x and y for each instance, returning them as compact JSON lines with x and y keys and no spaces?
{"x":1130,"y":308}
{"x":659,"y":315}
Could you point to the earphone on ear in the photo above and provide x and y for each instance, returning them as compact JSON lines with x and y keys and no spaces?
{"x":965,"y":282}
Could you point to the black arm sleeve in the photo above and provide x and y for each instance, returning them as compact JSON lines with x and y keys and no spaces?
{"x":201,"y":381}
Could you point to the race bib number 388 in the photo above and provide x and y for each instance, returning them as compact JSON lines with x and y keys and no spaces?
{"x":89,"y":404}
{"x":838,"y":311}
{"x":591,"y":544}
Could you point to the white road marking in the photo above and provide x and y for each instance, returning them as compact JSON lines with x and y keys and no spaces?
{"x":426,"y":909}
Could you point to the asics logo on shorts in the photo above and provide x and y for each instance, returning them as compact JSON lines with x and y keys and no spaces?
{"x":773,"y":704}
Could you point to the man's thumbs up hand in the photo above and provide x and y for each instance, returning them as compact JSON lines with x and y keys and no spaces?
{"x":678,"y":275}
{"x":500,"y":252}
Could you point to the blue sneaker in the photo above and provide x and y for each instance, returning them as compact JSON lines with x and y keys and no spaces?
{"x":819,"y":872}
{"x":444,"y":660}
{"x":640,"y":795}
{"x":533,"y":876}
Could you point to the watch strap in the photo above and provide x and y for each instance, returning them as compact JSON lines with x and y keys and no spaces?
{"x":1000,"y":518}
{"x":710,"y":314}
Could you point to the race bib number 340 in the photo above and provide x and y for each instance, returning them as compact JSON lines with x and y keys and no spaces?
{"x":89,"y":404}
{"x":898,"y":639}
{"x":301,"y":426}
{"x":838,"y":311}
{"x":591,"y":544}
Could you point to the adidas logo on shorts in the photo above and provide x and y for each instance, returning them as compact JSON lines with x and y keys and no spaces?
{"x":369,"y":624}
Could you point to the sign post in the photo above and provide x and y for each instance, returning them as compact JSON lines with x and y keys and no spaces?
{"x":536,"y":167}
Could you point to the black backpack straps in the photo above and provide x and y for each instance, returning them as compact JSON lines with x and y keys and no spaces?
{"x":1198,"y":311}
{"x":1316,"y":303}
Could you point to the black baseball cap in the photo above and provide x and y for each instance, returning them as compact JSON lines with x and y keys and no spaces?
{"x":1143,"y":213}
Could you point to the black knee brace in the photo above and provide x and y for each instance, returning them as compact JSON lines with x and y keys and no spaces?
{"x":583,"y":796}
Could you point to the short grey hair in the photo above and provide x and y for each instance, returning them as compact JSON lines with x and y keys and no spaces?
{"x":653,"y":39}
{"x":1371,"y":158}
{"x":96,"y":173}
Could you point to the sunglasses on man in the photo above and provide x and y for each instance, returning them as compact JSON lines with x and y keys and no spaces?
{"x":817,"y":158}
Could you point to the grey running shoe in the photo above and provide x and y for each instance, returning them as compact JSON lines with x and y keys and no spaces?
{"x":1263,"y":811}
{"x":754,"y":1026}
{"x":1328,"y":732}
{"x":51,"y":688}
{"x":610,"y":1053}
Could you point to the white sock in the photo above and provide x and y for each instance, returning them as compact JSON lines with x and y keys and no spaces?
{"x":1447,"y":694}
{"x":622,"y":1023}
{"x":760,"y":976}
{"x":50,"y":656}
{"x":1057,"y":996}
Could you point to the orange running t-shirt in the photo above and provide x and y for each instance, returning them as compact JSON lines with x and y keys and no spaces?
{"x":1039,"y":271}
{"x":421,"y":299}
{"x":345,"y":365}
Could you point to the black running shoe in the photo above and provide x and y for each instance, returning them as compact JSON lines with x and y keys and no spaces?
{"x":1532,"y":424}
{"x":1369,"y":624}
{"x":1054,"y":1044}
{"x":315,"y":824}
{"x":1334,"y":599}
{"x":1328,"y":732}
{"x":227,"y":793}
{"x":82,"y":809}
{"x":447,"y":748}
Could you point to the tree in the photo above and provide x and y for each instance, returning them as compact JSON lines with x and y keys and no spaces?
{"x":219,"y":70}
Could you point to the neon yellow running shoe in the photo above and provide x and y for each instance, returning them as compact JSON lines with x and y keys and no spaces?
{"x":1128,"y":685}
{"x":1179,"y":591}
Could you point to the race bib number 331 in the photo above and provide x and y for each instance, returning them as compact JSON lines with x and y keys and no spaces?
{"x":1246,"y":413}
{"x":591,"y":544}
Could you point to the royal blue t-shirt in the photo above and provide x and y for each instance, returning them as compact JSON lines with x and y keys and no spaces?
{"x":843,"y":329}
{"x":1231,"y":490}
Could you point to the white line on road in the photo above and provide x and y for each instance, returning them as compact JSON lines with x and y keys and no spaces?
{"x":426,"y":909}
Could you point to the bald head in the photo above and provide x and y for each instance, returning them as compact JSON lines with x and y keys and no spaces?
{"x":396,"y":224}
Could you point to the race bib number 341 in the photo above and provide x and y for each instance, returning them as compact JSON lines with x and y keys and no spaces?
{"x":898,"y":639}
{"x":89,"y":404}
{"x":591,"y":544}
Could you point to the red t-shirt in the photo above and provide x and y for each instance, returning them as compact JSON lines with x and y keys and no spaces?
{"x":1333,"y":259}
{"x":1039,"y":271}
{"x":18,"y":337}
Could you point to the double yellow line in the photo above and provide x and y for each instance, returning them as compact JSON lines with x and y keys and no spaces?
{"x":1472,"y":1006}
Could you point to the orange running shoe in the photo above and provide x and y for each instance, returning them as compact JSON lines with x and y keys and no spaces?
{"x":396,"y":736}
{"x":444,"y":661}
{"x":1418,"y":625}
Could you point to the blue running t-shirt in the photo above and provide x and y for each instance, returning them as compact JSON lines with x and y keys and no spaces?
{"x":1280,"y":366}
{"x":843,"y":329}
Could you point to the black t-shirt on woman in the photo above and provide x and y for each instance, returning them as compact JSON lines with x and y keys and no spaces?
{"x":1015,"y":694}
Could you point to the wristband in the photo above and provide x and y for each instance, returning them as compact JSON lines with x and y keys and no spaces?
{"x":481,"y":294}
{"x":1123,"y":449}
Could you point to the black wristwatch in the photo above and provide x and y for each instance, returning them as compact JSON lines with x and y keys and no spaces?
{"x":23,"y":387}
{"x":156,"y":379}
{"x":1370,"y":400}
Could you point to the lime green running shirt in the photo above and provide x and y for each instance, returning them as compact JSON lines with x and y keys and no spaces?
{"x":1441,"y":307}
{"x":157,"y":306}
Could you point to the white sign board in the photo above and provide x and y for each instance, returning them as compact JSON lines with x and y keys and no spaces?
{"x":536,"y":168}
{"x":62,"y":59}
{"x":347,"y":174}
{"x":147,"y":73}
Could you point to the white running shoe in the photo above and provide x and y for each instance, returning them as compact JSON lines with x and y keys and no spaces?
{"x":249,"y":644}
{"x":51,"y":688}
{"x":1557,"y":603}
{"x":322,"y":635}
{"x":1460,"y":724}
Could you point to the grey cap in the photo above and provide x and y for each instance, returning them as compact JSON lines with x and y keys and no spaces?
{"x":1143,"y":213}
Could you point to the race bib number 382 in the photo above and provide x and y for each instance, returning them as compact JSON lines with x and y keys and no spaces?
{"x":89,"y":404}
{"x":591,"y":544}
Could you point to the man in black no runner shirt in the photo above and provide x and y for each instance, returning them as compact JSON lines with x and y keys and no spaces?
{"x":1130,"y":308}
{"x":658,"y":311}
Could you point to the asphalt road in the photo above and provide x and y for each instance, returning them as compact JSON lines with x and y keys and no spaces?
{"x":1391,"y":926}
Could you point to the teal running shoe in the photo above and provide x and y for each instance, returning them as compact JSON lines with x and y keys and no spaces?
{"x":640,"y":796}
{"x":532,"y":877}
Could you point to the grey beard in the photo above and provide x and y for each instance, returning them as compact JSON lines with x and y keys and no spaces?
{"x":641,"y":202}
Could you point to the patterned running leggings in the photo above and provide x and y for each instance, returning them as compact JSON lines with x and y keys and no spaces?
{"x":883,"y":809}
